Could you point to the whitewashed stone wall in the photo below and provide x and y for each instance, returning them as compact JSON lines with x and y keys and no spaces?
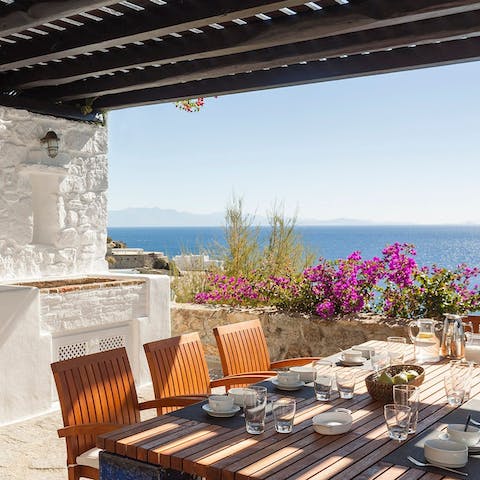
{"x":52,"y":211}
{"x":62,"y":312}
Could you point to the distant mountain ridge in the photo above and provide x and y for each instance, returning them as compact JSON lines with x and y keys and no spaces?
{"x":159,"y":217}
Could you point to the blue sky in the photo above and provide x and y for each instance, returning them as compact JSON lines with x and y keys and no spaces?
{"x":400,"y":148}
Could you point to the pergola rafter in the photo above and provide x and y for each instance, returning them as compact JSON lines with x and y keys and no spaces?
{"x":64,"y":57}
{"x":335,"y":69}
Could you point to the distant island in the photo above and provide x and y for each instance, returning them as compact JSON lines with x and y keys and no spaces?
{"x":158,"y":217}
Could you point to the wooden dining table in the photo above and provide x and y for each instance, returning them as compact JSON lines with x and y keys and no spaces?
{"x":169,"y":443}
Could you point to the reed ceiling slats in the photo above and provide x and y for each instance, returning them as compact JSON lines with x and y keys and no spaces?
{"x":68,"y":58}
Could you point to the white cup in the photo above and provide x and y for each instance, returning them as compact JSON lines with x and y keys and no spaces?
{"x":352,"y":356}
{"x":220,"y":403}
{"x":469,"y":438}
{"x":238,"y":395}
{"x":288,"y":378}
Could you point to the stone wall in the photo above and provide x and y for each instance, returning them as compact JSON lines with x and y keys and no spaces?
{"x":52,"y":210}
{"x":85,"y":307}
{"x":288,"y":335}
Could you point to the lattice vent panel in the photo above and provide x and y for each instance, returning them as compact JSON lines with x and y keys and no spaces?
{"x":73,"y":350}
{"x":109,"y":343}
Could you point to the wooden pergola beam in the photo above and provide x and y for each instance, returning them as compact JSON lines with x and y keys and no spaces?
{"x":149,"y":23}
{"x":230,"y":41}
{"x":333,"y":69}
{"x":350,"y":44}
{"x":45,"y":107}
{"x":154,"y":21}
{"x":44,"y":12}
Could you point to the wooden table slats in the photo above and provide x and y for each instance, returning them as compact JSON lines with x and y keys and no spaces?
{"x":220,"y":453}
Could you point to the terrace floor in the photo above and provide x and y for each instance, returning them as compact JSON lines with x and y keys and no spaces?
{"x":31,"y":450}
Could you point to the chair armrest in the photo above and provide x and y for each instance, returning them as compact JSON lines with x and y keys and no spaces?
{"x":180,"y":401}
{"x":294,"y":362}
{"x":88,"y":429}
{"x":240,"y":379}
{"x":269,"y":373}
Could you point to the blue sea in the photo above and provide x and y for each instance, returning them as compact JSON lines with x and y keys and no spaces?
{"x":446,"y":246}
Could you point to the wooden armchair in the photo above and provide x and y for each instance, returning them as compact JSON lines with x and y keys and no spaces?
{"x":243,"y":350}
{"x":178,"y":367}
{"x":97,"y":394}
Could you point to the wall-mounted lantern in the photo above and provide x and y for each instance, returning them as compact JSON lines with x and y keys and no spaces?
{"x":50,"y":141}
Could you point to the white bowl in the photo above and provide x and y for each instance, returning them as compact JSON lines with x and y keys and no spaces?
{"x":307,"y":374}
{"x":445,"y":453}
{"x":238,"y":395}
{"x":288,"y":378}
{"x":469,"y":438}
{"x":333,"y":423}
{"x":220,"y":403}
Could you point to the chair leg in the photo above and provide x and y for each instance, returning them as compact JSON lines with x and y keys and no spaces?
{"x":81,"y":471}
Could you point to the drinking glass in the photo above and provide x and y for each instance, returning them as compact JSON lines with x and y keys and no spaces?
{"x":397,"y":418}
{"x":396,"y":349}
{"x":379,"y":359}
{"x":345,"y":383}
{"x":462,"y":371}
{"x":408,"y":395}
{"x":323,"y":380}
{"x":254,"y":407}
{"x":284,"y":414}
{"x":454,"y":389}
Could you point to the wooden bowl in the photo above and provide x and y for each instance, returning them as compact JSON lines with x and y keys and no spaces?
{"x":383,"y":392}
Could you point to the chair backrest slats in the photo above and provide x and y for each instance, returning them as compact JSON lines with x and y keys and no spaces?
{"x":242,"y":347}
{"x":97,"y":388}
{"x":177,"y":366}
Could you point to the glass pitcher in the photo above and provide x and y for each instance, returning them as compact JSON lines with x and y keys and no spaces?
{"x":472,"y":347}
{"x":423,"y":333}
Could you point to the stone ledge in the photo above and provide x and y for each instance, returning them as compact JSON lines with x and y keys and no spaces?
{"x":79,"y":284}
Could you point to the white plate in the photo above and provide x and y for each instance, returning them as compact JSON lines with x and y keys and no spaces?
{"x":287,"y":388}
{"x":474,"y":449}
{"x":213,"y":413}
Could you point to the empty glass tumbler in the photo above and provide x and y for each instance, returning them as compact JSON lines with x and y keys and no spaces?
{"x":462,"y":371}
{"x":379,"y":359}
{"x":408,"y":395}
{"x":283,"y":414}
{"x":345,"y":380}
{"x":397,"y":418}
{"x":323,"y":380}
{"x":454,"y":390}
{"x":396,"y":349}
{"x":254,"y":405}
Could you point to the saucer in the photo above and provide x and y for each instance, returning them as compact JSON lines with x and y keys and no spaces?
{"x":474,"y":449}
{"x":347,"y":363}
{"x":287,"y":388}
{"x":213,"y":413}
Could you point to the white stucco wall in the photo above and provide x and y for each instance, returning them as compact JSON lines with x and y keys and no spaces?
{"x":64,"y":312}
{"x":25,"y":356}
{"x":53,"y":224}
{"x":53,"y":213}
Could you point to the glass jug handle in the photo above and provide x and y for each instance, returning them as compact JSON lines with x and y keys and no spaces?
{"x":411,"y":325}
{"x":469,"y":325}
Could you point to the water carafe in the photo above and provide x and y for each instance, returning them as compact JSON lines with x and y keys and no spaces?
{"x":453,"y":338}
{"x":423,"y":333}
{"x":472,"y":347}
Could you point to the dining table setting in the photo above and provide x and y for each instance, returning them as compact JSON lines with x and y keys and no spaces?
{"x":369,"y":411}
